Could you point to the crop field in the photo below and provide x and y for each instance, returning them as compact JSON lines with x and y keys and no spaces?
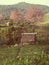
{"x":28,"y":55}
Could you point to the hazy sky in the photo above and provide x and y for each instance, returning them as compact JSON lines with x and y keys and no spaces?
{"x":9,"y":2}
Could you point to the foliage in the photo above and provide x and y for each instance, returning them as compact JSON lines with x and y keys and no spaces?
{"x":16,"y":16}
{"x":34,"y":14}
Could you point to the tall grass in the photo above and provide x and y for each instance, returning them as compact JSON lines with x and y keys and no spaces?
{"x":28,"y":55}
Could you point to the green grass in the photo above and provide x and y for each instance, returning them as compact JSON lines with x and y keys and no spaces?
{"x":45,"y":23}
{"x":28,"y":55}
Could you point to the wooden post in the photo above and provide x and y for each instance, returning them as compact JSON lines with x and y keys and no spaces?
{"x":35,"y":39}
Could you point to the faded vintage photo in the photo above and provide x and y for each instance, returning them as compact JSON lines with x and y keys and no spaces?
{"x":24,"y":32}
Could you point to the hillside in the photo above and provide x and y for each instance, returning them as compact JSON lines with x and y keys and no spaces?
{"x":6,"y":9}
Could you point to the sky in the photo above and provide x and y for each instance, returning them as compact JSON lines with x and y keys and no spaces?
{"x":10,"y":2}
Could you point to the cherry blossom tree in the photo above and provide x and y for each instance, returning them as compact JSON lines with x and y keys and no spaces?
{"x":33,"y":14}
{"x":16,"y":15}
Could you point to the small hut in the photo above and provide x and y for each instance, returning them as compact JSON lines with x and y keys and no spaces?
{"x":29,"y":38}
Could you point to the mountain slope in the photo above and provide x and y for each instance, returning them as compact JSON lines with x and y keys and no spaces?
{"x":6,"y":9}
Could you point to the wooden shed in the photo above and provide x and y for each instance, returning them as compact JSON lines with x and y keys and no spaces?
{"x":29,"y":38}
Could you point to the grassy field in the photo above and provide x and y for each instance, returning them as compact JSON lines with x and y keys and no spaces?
{"x":28,"y":55}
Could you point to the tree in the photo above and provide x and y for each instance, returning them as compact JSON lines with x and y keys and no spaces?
{"x":16,"y":15}
{"x":14,"y":34}
{"x":33,"y":14}
{"x":10,"y":33}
